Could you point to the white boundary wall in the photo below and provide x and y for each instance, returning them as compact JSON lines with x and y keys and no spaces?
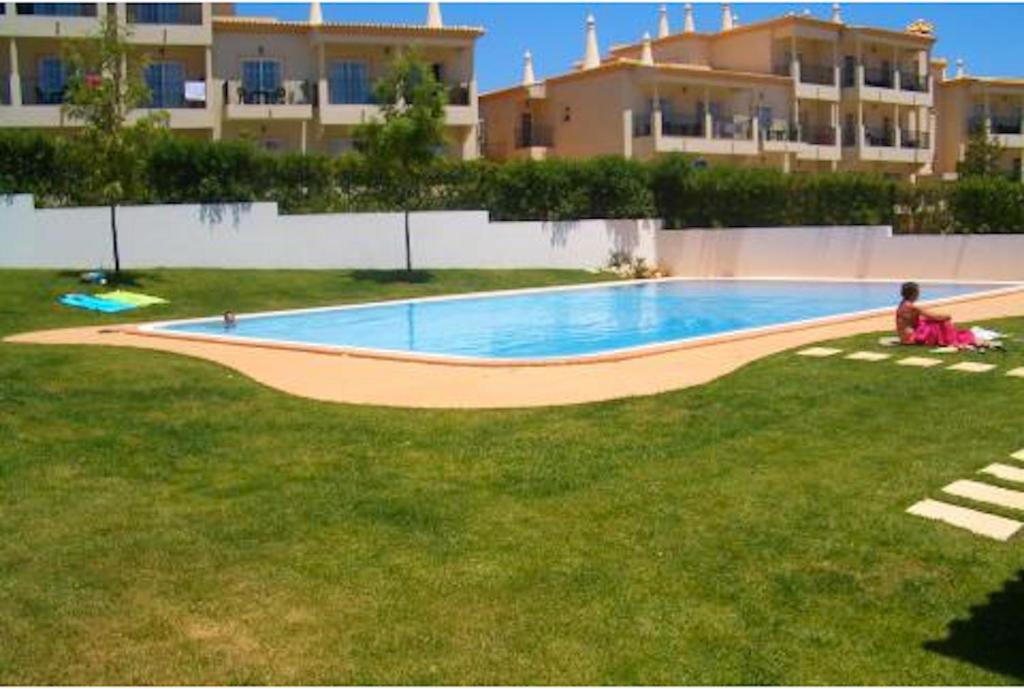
{"x":256,"y":236}
{"x":840,"y":252}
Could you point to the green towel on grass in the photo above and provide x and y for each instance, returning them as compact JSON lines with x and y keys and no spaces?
{"x":133,"y":298}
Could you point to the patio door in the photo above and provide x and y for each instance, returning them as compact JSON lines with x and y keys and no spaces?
{"x":166,"y":83}
{"x":261,"y":81}
{"x":52,"y":80}
{"x":348,"y":82}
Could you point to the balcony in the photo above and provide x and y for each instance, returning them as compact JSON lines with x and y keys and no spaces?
{"x":818,"y":135}
{"x":681,"y":126}
{"x":1007,"y":125}
{"x":174,"y":13}
{"x":820,"y":75}
{"x":34,"y":92}
{"x":56,"y":9}
{"x":534,"y":136}
{"x":5,"y":91}
{"x":915,"y":140}
{"x":912,"y":81}
{"x":720,"y":136}
{"x":879,"y":137}
{"x":458,"y":95}
{"x":878,"y":77}
{"x":292,"y":99}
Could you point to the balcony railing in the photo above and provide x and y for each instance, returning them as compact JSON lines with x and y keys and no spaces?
{"x":818,"y":136}
{"x":56,"y":9}
{"x":912,"y":81}
{"x":782,"y":69}
{"x":916,"y":140}
{"x":737,"y":129}
{"x":458,"y":94}
{"x":190,"y":14}
{"x":291,"y":92}
{"x":678,"y":126}
{"x":533,"y":136}
{"x":824,"y":75}
{"x":879,"y":136}
{"x":173,"y":98}
{"x":1007,"y":125}
{"x":879,"y":77}
{"x":780,"y":131}
{"x":35,"y":93}
{"x":5,"y":91}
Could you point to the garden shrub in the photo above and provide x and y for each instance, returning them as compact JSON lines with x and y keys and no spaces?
{"x":182,"y":170}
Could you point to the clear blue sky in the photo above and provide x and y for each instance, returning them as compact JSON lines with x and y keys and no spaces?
{"x":990,"y":37}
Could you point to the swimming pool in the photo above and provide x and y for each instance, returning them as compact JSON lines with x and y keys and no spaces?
{"x":563,"y":322}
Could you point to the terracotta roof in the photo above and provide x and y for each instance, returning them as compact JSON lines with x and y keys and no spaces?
{"x":667,"y":68}
{"x":995,"y":81}
{"x":270,"y":23}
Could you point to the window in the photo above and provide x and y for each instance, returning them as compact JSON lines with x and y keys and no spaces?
{"x":52,"y":80}
{"x":341,"y":146}
{"x":166,"y":82}
{"x":348,"y":82}
{"x":261,"y":81}
{"x":57,"y":9}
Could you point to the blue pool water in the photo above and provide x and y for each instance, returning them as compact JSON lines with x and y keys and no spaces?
{"x":569,"y":322}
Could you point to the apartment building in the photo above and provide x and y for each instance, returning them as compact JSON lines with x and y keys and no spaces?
{"x":287,"y":85}
{"x":970,"y":104}
{"x":796,"y":92}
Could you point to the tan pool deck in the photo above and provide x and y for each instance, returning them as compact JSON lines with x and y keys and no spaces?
{"x":360,"y":379}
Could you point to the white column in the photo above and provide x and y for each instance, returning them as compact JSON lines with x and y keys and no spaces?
{"x":14,"y":80}
{"x":627,"y":133}
{"x":302,"y":142}
{"x":896,"y":78}
{"x":321,"y":66}
{"x":213,"y":95}
{"x":897,"y":127}
{"x":860,"y":124}
{"x":707,"y":113}
{"x":656,"y":118}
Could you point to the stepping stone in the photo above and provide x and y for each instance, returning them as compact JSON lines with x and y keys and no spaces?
{"x":999,"y":528}
{"x":818,"y":352}
{"x":868,"y":356}
{"x":971,"y":367}
{"x":919,"y":361}
{"x":1016,"y":373}
{"x":1019,"y":454}
{"x":944,"y":350}
{"x":1007,"y":473}
{"x":983,"y":492}
{"x":889,"y":341}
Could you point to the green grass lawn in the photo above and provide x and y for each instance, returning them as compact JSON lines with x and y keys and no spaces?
{"x":166,"y":520}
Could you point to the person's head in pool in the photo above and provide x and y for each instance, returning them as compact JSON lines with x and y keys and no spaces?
{"x":910,"y":291}
{"x":229,"y":319}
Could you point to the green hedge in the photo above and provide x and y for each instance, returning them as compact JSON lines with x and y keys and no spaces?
{"x":180,"y":170}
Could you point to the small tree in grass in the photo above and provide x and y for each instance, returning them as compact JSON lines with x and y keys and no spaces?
{"x":105,"y":85}
{"x":404,"y":143}
{"x":981,"y":157}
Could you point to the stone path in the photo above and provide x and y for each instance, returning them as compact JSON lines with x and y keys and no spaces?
{"x":978,"y":520}
{"x":911,"y":361}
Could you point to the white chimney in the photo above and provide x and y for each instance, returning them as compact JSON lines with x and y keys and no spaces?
{"x":316,"y":17}
{"x":434,"y":15}
{"x":688,"y":26}
{"x":528,"y":76}
{"x":735,"y":19}
{"x":837,"y":17}
{"x":592,"y":57}
{"x":960,"y":67}
{"x":663,"y":29}
{"x":647,"y":55}
{"x":726,"y":17}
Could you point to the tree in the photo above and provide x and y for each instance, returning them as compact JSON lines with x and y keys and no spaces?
{"x":104,"y":86}
{"x":402,"y":145}
{"x":981,"y":157}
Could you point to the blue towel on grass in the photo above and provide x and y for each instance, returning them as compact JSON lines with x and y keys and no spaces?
{"x":91,"y":303}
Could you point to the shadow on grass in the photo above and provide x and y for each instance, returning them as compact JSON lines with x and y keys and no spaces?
{"x":388,"y":277}
{"x":127,"y":278}
{"x":993,"y":636}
